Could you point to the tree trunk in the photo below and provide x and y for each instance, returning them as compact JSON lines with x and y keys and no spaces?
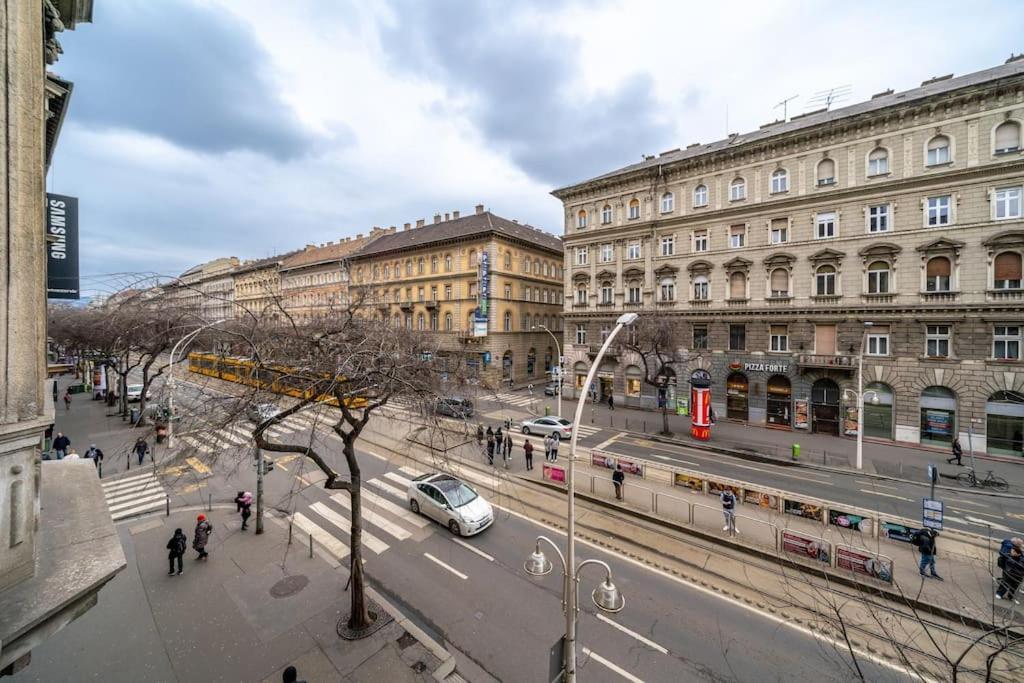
{"x":360,"y":615}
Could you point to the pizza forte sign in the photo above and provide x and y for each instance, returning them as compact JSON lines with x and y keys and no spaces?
{"x":760,"y":367}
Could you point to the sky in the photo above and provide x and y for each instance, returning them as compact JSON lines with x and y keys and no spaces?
{"x":207,"y":128}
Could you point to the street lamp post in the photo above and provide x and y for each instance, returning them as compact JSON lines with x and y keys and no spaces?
{"x":561,"y":370}
{"x":860,"y":396}
{"x":170,"y":378}
{"x":606,"y":597}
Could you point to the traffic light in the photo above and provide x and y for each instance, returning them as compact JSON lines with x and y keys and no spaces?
{"x":268,"y":465}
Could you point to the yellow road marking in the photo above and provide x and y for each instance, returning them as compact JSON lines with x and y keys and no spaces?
{"x":173,"y":470}
{"x":193,"y":487}
{"x":198,"y":465}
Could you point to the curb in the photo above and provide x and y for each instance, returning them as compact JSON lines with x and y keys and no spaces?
{"x":447,"y":666}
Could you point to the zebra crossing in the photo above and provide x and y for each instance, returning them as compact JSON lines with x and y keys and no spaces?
{"x":134,"y":495}
{"x":519,"y":400}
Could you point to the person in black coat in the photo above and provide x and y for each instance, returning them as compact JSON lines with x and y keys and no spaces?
{"x":958,"y":453}
{"x":1013,"y":572}
{"x":618,"y":477}
{"x":176,"y":551}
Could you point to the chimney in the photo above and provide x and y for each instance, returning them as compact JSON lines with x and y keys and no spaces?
{"x":479,"y":209}
{"x":421,"y":222}
{"x":447,"y":216}
{"x":455,"y":214}
{"x":516,"y":221}
{"x":359,"y":236}
{"x":393,"y":229}
{"x":437,"y":218}
{"x":406,"y":227}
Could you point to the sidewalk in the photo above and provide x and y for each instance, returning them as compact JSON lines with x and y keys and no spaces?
{"x":256,"y":606}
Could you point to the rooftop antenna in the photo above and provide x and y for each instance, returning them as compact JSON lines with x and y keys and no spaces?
{"x":826,"y":98}
{"x":785,"y":107}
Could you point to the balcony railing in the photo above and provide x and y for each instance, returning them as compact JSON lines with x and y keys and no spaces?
{"x":1004,"y":294}
{"x":431,"y":303}
{"x":940,"y":297}
{"x":736,"y":303}
{"x":814,"y":360}
{"x":700,"y":303}
{"x":405,"y":305}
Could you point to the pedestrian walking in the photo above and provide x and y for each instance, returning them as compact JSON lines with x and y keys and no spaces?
{"x":94,"y":454}
{"x":1013,"y":571}
{"x":547,"y":448}
{"x":55,"y":394}
{"x":480,"y":434}
{"x":618,"y":478}
{"x":499,"y":441}
{"x":243,"y":504}
{"x":490,"y":446}
{"x":925,"y":542}
{"x":60,"y":445}
{"x":611,"y":402}
{"x":201,"y":537}
{"x":505,"y":447}
{"x":67,"y":400}
{"x":176,"y":551}
{"x":958,"y":453}
{"x":528,"y":450}
{"x":141,"y":448}
{"x":728,"y":499}
{"x":554,"y":448}
{"x":291,"y":675}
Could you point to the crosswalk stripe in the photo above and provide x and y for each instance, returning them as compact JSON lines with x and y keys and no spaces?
{"x":134,"y":483}
{"x":410,"y":471}
{"x":373,"y":517}
{"x":123,"y":480}
{"x":394,"y":476}
{"x":385,"y":504}
{"x":147,"y":507}
{"x":372,"y":542}
{"x":118,"y":504}
{"x":198,"y":445}
{"x":283,"y":429}
{"x":148,"y":485}
{"x":329,"y":543}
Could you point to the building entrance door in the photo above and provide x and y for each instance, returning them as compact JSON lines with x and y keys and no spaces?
{"x":825,"y":407}
{"x":780,"y":411}
{"x":737,"y":391}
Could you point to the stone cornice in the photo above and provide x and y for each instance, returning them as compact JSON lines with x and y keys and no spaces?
{"x":802,"y":313}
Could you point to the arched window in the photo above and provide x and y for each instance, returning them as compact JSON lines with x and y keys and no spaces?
{"x":408,"y":267}
{"x":472,"y":258}
{"x":938,"y":416}
{"x":547,"y":269}
{"x":878,"y":161}
{"x":376,"y":272}
{"x":581,"y":219}
{"x":447,"y":263}
{"x":937,"y":274}
{"x":737,"y":189}
{"x":526,"y":265}
{"x":420,"y":322}
{"x":634,"y":209}
{"x":700,"y":288}
{"x":700,"y":195}
{"x":825,"y":281}
{"x":581,"y":295}
{"x":879,"y":278}
{"x":1007,"y":137}
{"x":780,"y":181}
{"x":606,"y":292}
{"x":826,"y":173}
{"x":780,"y":282}
{"x":667,"y":289}
{"x":508,"y":321}
{"x":668,"y":202}
{"x":433,"y":264}
{"x":1005,"y":419}
{"x":938,"y":151}
{"x":606,"y":214}
{"x":447,"y":322}
{"x":527,"y":322}
{"x":536,"y":267}
{"x":508,"y":260}
{"x":419,"y":266}
{"x":738,"y":286}
{"x":1007,"y":270}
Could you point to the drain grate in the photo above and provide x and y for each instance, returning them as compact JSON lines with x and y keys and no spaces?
{"x":289,"y":585}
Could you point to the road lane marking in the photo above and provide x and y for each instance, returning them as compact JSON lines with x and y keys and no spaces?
{"x":198,"y":465}
{"x":450,"y":568}
{"x":397,"y":510}
{"x":373,"y":518}
{"x":395,"y":477}
{"x":783,"y":474}
{"x":614,"y":624}
{"x":410,"y":471}
{"x":982,"y":522}
{"x":601,"y":446}
{"x":881,"y":486}
{"x":160,"y":497}
{"x":668,"y":459}
{"x":975,"y":505}
{"x":193,"y":487}
{"x":887,"y":495}
{"x":611,"y":665}
{"x":471,"y":549}
{"x":333,"y":546}
{"x":135,"y":487}
{"x":114,"y":483}
{"x":372,"y":542}
{"x":974,"y":512}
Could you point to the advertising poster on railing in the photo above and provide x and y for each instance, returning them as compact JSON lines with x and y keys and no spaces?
{"x":807,"y":547}
{"x":555,"y":474}
{"x":693,"y":483}
{"x":631,"y":467}
{"x":800,"y":414}
{"x":898,"y":532}
{"x":876,"y":566}
{"x":802,"y":509}
{"x":845,"y":520}
{"x":716,"y":487}
{"x":761,"y":499}
{"x":598,"y":459}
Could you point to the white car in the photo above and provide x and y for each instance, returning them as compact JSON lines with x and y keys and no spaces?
{"x":134,"y":392}
{"x":559,"y":427}
{"x":451,"y":502}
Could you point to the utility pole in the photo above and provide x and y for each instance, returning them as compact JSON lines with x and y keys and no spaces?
{"x":259,"y":490}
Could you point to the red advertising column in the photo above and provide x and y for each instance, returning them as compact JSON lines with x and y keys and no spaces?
{"x":700,"y":405}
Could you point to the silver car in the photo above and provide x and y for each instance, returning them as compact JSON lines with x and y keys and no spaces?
{"x":451,"y":502}
{"x":558,"y":427}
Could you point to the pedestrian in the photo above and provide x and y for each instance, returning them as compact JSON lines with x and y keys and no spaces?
{"x":728,"y":499}
{"x":528,"y":449}
{"x":176,"y":551}
{"x":925,"y":542}
{"x":958,"y":453}
{"x":508,"y":446}
{"x":1013,"y":571}
{"x":611,"y":402}
{"x":72,"y":455}
{"x":55,"y":394}
{"x":499,"y":440}
{"x":243,"y":504}
{"x":554,"y":448}
{"x":618,"y":478}
{"x":67,"y":400}
{"x":60,"y":445}
{"x":480,"y":434}
{"x":202,"y":535}
{"x":490,"y":446}
{"x":291,"y":675}
{"x":547,"y":448}
{"x":141,"y":448}
{"x":94,"y":454}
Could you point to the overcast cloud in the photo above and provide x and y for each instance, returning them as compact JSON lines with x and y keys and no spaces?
{"x":206,"y":128}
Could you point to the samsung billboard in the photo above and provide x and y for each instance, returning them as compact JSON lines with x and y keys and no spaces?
{"x":61,"y":246}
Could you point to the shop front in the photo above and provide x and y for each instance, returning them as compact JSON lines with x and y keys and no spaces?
{"x":938,"y":416}
{"x":1004,"y":414}
{"x":737,"y":389}
{"x":825,"y":407}
{"x":878,"y":404}
{"x":780,"y":400}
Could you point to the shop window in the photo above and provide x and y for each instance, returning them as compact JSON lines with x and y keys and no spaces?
{"x":1004,"y":412}
{"x":938,"y":416}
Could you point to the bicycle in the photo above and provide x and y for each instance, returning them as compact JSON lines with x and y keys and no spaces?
{"x":970,"y":478}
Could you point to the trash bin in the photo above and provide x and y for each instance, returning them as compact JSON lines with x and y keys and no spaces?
{"x":134,"y":416}
{"x":796,"y":451}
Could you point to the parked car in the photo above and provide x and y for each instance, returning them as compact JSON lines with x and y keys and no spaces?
{"x":134,"y":393}
{"x":559,"y":427}
{"x":451,"y":502}
{"x":261,"y":412}
{"x":551,"y":389}
{"x":461,"y":408}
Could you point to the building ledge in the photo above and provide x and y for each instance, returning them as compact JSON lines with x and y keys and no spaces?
{"x":78,"y":553}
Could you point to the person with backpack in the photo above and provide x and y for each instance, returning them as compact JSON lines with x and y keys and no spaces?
{"x":94,"y":454}
{"x":618,"y":478}
{"x":141,"y":448}
{"x":925,"y":542}
{"x":176,"y":551}
{"x":728,"y":499}
{"x":958,"y":453}
{"x":201,"y":537}
{"x":1013,"y":571}
{"x":1006,"y":546}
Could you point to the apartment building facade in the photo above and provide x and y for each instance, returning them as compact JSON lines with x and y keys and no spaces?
{"x":892,"y":228}
{"x":315,"y":280}
{"x":257,"y":287}
{"x":488,"y":287}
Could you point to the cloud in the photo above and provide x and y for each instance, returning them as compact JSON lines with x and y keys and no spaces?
{"x":186,"y":73}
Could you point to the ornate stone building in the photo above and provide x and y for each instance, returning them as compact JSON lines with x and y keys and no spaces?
{"x":315,"y":280}
{"x":485,"y":285}
{"x":258,"y":286}
{"x":892,"y":228}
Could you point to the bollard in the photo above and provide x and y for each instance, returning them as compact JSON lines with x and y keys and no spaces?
{"x":289,"y":532}
{"x":645,"y":426}
{"x":128,"y":460}
{"x":209,"y":502}
{"x":311,"y":545}
{"x":627,"y":424}
{"x":796,"y":451}
{"x":167,"y":497}
{"x":99,"y":468}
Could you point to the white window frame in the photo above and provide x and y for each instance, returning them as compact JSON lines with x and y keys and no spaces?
{"x":819,"y":223}
{"x":879,"y":218}
{"x":606,"y":214}
{"x":820,"y":277}
{"x":877,"y":344}
{"x":633,"y":214}
{"x":737,"y":189}
{"x":776,"y":235}
{"x":607,"y":253}
{"x":581,"y":219}
{"x":949,"y":278}
{"x":929,"y":210}
{"x":668,"y":245}
{"x":582,"y":256}
{"x":938,"y":335}
{"x":582,"y":295}
{"x":831,"y":180}
{"x":607,"y":293}
{"x":667,"y":289}
{"x":701,"y":241}
{"x":668,"y":202}
{"x":1002,"y":335}
{"x":634,"y":294}
{"x":701,"y":288}
{"x":700,"y":196}
{"x":581,"y":334}
{"x":737,"y":240}
{"x":779,"y":181}
{"x":1006,"y":203}
{"x":634,"y":251}
{"x":941,"y":159}
{"x":878,"y":167}
{"x":779,"y":343}
{"x":1008,"y":150}
{"x":876,"y":278}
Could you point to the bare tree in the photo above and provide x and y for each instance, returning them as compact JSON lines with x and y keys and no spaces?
{"x":656,"y":341}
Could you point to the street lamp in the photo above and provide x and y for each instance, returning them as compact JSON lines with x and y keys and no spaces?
{"x":561,"y":370}
{"x":170,"y":378}
{"x":606,"y":596}
{"x":860,"y":396}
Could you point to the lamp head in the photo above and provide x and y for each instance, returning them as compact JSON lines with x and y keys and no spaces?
{"x":538,"y":564}
{"x":607,"y":597}
{"x":627,"y":319}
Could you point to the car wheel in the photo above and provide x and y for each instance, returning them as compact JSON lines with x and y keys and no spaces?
{"x":526,"y":430}
{"x":414,"y":506}
{"x":453,"y":527}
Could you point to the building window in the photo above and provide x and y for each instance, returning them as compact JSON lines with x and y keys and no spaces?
{"x":780,"y":230}
{"x":508,"y":291}
{"x":700,"y":196}
{"x":700,"y":288}
{"x":581,"y":295}
{"x":420,"y":266}
{"x":448,"y":292}
{"x":938,"y":151}
{"x":780,"y":181}
{"x":668,"y":202}
{"x":878,"y":218}
{"x":606,"y":292}
{"x":433,"y":321}
{"x":508,"y":261}
{"x":507,"y":325}
{"x":421,"y":322}
{"x":780,"y":283}
{"x":581,"y":219}
{"x":668,"y":289}
{"x":1007,"y":203}
{"x":700,"y":336}
{"x":447,"y":263}
{"x":700,"y":240}
{"x":633,"y":251}
{"x":433,"y":292}
{"x":737,"y":236}
{"x":581,"y":257}
{"x":447,"y":322}
{"x":937,"y":338}
{"x":825,"y":281}
{"x":668,"y":245}
{"x":879,"y":278}
{"x":634,"y":209}
{"x":1007,"y":137}
{"x":1006,"y":342}
{"x":737,"y":337}
{"x":1007,"y":270}
{"x":606,"y":214}
{"x":779,"y":335}
{"x":938,"y":210}
{"x":878,"y":162}
{"x":937,"y":274}
{"x":606,"y":253}
{"x":633,"y":295}
{"x":826,"y":173}
{"x":737,"y":190}
{"x":605,"y":333}
{"x":581,"y":334}
{"x":826,"y":225}
{"x":878,"y":341}
{"x":419,"y":293}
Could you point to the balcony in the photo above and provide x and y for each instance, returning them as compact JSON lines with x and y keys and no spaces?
{"x":405,"y":305}
{"x":633,"y":304}
{"x":779,"y":299}
{"x":431,"y":304}
{"x":1006,"y":294}
{"x":940,"y":297}
{"x":807,"y":361}
{"x":700,"y":303}
{"x":826,"y":298}
{"x":577,"y":307}
{"x":879,"y":298}
{"x":737,"y":303}
{"x":594,"y":349}
{"x":666,"y":303}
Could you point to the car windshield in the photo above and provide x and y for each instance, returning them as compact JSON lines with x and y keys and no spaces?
{"x":134,"y":387}
{"x":458,"y":494}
